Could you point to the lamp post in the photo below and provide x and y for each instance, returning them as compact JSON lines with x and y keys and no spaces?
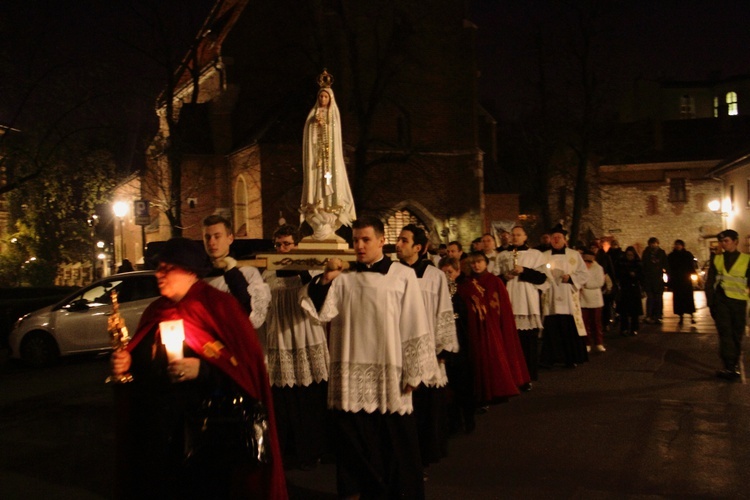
{"x":102,"y":257}
{"x":120,"y":209}
{"x":93,"y":221}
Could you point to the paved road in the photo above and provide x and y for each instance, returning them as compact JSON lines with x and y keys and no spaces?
{"x":646,"y":419}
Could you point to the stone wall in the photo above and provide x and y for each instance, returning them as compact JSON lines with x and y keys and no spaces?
{"x":632,"y":213}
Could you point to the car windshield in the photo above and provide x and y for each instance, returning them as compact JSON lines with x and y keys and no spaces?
{"x":128,"y":290}
{"x":97,"y":295}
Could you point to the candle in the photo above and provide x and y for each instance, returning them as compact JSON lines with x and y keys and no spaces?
{"x":172,"y":336}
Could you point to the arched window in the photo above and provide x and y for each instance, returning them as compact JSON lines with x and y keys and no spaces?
{"x":396,"y":223}
{"x":716,"y":107}
{"x":732,"y":109}
{"x":241,"y":215}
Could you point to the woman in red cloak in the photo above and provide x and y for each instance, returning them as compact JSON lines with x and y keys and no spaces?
{"x":221,"y":353}
{"x":495,"y":351}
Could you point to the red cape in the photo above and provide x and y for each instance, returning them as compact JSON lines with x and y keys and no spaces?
{"x":210,"y":315}
{"x":497,"y":358}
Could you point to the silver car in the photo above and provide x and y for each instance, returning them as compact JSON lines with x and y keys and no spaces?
{"x":78,"y":323}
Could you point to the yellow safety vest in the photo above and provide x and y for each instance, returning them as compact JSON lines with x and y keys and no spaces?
{"x":733,"y":282}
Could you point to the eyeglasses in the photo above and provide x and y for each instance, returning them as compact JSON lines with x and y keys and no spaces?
{"x":285,"y":244}
{"x":165,"y":268}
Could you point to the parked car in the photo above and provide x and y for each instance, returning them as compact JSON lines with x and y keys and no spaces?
{"x":78,"y":323}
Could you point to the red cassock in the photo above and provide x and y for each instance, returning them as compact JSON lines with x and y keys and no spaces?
{"x":238,"y":354}
{"x":497,"y":360}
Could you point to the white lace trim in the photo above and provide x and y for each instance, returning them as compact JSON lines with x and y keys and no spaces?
{"x":372,"y":387}
{"x":420,"y":362}
{"x":369,"y":387}
{"x":529,"y":322}
{"x":445,"y":333}
{"x":260,"y":300}
{"x":300,"y":367}
{"x":440,"y":379}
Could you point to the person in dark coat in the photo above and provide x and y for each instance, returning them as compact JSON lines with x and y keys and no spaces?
{"x":126,"y":267}
{"x":629,"y":305}
{"x":681,"y":268}
{"x":654,"y":261}
{"x":604,"y":259}
{"x":220,"y":355}
{"x":461,"y":405}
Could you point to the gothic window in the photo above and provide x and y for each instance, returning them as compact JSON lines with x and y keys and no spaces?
{"x":687,"y":106}
{"x":732,"y":109}
{"x":677,"y":191}
{"x":396,"y":223}
{"x":716,"y":107}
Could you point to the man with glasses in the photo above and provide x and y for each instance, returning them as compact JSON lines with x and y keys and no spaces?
{"x":297,"y":358}
{"x":726,"y":296}
{"x":244,"y":283}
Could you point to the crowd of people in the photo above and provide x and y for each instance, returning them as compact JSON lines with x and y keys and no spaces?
{"x":377,"y":363}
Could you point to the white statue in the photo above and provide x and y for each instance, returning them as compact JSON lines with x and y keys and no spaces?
{"x":327,"y":201}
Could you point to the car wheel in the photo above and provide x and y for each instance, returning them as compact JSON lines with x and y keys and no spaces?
{"x":39,"y":349}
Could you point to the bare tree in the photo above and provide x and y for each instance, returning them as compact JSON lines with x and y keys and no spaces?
{"x":169,"y":42}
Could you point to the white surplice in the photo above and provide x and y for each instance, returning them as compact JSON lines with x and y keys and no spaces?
{"x":260,"y":295}
{"x":563,"y":298}
{"x":437,"y":300}
{"x":524,"y":296}
{"x":380,"y":340}
{"x":295,"y":346}
{"x":591,"y":293}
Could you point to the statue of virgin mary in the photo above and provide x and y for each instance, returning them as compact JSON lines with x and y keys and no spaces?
{"x":327,"y":202}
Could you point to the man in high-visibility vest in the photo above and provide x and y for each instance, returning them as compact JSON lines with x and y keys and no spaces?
{"x":727,"y":296}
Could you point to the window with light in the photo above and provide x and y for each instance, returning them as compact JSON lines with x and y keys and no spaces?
{"x":732,"y":109}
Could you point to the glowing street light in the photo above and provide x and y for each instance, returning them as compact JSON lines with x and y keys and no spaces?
{"x":120,"y":208}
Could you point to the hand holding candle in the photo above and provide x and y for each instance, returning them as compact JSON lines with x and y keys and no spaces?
{"x":172,"y":336}
{"x":181,"y":370}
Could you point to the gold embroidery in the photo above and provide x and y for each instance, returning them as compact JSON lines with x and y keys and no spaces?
{"x":213,"y":349}
{"x":477,"y":305}
{"x":495,"y":301}
{"x":477,"y":286}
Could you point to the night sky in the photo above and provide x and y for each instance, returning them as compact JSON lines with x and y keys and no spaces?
{"x":50,"y":41}
{"x":653,"y":39}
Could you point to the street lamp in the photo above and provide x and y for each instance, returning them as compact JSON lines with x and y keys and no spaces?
{"x":120,"y":209}
{"x":721,"y":207}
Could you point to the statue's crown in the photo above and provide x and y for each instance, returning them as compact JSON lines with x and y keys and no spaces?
{"x":325,"y":80}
